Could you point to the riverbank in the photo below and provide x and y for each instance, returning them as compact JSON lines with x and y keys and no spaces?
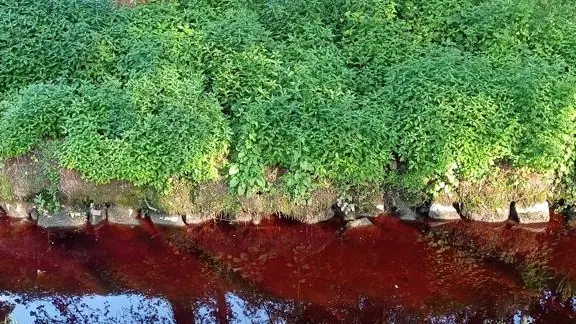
{"x":56,"y":197}
{"x":241,"y":109}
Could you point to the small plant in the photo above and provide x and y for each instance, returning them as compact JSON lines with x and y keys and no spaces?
{"x":345,"y":204}
{"x":47,"y":203}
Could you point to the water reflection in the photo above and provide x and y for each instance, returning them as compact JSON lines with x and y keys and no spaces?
{"x":137,"y":308}
{"x":124,"y":308}
{"x":275,"y":273}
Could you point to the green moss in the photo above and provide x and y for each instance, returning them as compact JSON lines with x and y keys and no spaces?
{"x":6,"y":190}
{"x":522,"y":186}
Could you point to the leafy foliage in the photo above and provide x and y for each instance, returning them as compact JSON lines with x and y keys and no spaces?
{"x":410,"y":94}
{"x":43,"y":41}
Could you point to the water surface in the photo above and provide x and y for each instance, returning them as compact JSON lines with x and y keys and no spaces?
{"x":283,"y":272}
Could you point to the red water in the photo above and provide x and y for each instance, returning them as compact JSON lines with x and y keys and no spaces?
{"x":277,"y":272}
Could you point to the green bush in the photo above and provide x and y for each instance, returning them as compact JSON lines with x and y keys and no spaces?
{"x":374,"y":38}
{"x":160,"y":126}
{"x":458,"y":109}
{"x":313,"y":126}
{"x":42,"y":41}
{"x":33,"y":115}
{"x":404,"y":93}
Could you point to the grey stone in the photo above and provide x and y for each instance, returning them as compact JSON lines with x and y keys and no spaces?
{"x":350,"y":216}
{"x":495,"y":215}
{"x":319,"y":217}
{"x":19,"y":209}
{"x":97,"y":215}
{"x":257,"y":219}
{"x":122,"y":216}
{"x":67,"y":218}
{"x":442,"y":223}
{"x":534,"y":228}
{"x":244,"y":217}
{"x":407,"y":214}
{"x":380,"y":208}
{"x":443,"y":212}
{"x":362,"y":222}
{"x":166,"y":220}
{"x":198,"y":218}
{"x":536,"y":213}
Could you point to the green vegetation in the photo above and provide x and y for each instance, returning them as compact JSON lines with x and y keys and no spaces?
{"x":407,"y":94}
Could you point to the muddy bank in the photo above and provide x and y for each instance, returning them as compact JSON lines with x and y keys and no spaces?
{"x":288,"y":271}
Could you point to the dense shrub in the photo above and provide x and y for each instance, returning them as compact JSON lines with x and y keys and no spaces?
{"x":32,"y":116}
{"x":160,"y":126}
{"x":374,"y":39}
{"x":409,"y":93}
{"x":313,"y":125}
{"x":454,"y":109}
{"x":42,"y":41}
{"x":138,"y":112}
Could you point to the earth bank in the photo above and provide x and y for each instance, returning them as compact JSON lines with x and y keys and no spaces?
{"x":31,"y":191}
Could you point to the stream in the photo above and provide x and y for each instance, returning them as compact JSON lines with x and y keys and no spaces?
{"x":286,"y":272}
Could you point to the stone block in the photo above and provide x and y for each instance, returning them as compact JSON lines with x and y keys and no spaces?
{"x":122,"y":216}
{"x":66,"y":218}
{"x":443,"y":212}
{"x":535,"y":213}
{"x":358,"y":223}
{"x":166,"y":220}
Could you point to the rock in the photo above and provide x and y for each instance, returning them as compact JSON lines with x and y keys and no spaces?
{"x":197,"y":218}
{"x":19,"y":209}
{"x":405,"y":206}
{"x":68,"y":217}
{"x":166,"y":220}
{"x":349,"y":216}
{"x":362,"y":222}
{"x":122,"y":216}
{"x":257,"y":219}
{"x":407,"y":214}
{"x":443,"y":212}
{"x":536,"y":213}
{"x":246,"y":217}
{"x":442,"y":223}
{"x":495,"y":215}
{"x":97,"y":214}
{"x":319,"y":217}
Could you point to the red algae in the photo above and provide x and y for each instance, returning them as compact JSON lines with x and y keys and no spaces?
{"x":276,"y":272}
